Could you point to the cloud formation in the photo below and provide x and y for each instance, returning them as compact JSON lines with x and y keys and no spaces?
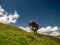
{"x":6,"y":17}
{"x":26,"y":29}
{"x":54,"y":31}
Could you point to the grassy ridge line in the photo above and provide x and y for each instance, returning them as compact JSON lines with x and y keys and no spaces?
{"x":12,"y":35}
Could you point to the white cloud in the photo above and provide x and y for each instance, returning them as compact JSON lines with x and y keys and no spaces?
{"x":1,"y":9}
{"x":26,"y":29}
{"x":54,"y":31}
{"x":55,"y":28}
{"x":45,"y":30}
{"x":6,"y":17}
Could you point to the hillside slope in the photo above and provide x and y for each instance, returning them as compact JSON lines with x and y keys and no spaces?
{"x":11,"y":35}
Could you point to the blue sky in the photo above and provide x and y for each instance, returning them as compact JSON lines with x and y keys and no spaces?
{"x":45,"y":12}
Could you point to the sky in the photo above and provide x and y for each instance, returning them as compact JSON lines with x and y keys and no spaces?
{"x":19,"y":12}
{"x":44,"y":12}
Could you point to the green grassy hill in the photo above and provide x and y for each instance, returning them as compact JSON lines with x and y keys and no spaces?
{"x":11,"y":35}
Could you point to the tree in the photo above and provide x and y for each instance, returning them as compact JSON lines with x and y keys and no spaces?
{"x":34,"y":26}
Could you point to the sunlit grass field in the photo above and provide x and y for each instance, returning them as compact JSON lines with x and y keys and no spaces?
{"x":12,"y":35}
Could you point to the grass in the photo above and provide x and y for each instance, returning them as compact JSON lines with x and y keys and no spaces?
{"x":12,"y":35}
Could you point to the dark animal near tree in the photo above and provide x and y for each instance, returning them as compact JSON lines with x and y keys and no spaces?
{"x":34,"y":26}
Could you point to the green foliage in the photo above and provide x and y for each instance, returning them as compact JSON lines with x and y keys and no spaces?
{"x":12,"y":35}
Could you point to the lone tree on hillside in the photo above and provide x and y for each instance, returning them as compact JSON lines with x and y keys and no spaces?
{"x":34,"y":26}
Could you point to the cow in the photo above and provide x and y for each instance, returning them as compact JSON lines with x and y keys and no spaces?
{"x":34,"y":26}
